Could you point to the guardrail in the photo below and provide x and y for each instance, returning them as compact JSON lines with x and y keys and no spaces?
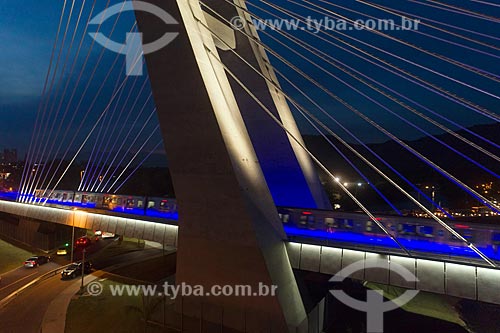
{"x":37,"y":280}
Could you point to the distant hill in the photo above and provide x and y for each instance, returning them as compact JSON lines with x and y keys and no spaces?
{"x":415,"y":170}
{"x":411,"y":166}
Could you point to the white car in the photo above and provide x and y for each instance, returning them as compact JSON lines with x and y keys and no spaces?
{"x":103,"y":234}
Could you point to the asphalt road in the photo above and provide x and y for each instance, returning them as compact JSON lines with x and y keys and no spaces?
{"x":14,"y":280}
{"x":25,"y":313}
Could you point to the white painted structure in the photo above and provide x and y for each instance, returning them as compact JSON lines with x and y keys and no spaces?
{"x":465,"y":281}
{"x":130,"y":227}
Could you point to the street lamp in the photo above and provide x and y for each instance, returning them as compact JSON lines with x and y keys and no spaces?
{"x":73,"y":234}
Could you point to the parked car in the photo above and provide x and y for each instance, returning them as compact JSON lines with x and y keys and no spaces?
{"x":62,"y":251}
{"x":36,"y":261}
{"x":103,"y":234}
{"x":75,"y":269}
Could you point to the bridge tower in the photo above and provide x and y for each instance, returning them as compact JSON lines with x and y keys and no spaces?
{"x":225,"y":172}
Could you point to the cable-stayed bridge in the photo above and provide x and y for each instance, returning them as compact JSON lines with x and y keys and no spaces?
{"x":228,"y":98}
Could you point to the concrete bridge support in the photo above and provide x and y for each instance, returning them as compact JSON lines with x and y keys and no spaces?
{"x":229,"y":231}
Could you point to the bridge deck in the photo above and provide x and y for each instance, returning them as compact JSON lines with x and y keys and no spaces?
{"x":439,"y":275}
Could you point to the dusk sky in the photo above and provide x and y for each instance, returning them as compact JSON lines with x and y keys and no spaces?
{"x":28,"y":28}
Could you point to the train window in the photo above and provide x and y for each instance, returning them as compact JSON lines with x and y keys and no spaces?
{"x":151,"y":204}
{"x":285,"y":218}
{"x":329,"y":221}
{"x":371,"y":226}
{"x":303,"y":219}
{"x":408,"y":229}
{"x":346,"y":223}
{"x":130,"y":203}
{"x":496,"y":238}
{"x":468,"y":234}
{"x":425,"y":230}
{"x":139,"y":203}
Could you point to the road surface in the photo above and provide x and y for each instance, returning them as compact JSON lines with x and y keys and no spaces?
{"x":25,"y":313}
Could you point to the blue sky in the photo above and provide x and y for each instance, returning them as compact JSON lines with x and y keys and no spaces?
{"x":28,"y":28}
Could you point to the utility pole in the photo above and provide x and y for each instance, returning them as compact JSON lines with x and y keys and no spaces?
{"x":83,"y":267}
{"x":73,"y":234}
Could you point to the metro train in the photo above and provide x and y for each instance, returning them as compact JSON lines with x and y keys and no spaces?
{"x":485,"y":235}
{"x":114,"y":202}
{"x":317,"y":222}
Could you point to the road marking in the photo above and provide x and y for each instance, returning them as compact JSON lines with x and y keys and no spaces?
{"x":12,"y":270}
{"x":18,"y":281}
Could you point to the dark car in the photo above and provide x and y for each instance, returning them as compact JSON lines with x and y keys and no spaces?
{"x":36,"y":261}
{"x":82,"y":242}
{"x":75,"y":269}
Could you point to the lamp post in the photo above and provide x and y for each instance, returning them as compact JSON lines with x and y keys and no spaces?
{"x":73,"y":234}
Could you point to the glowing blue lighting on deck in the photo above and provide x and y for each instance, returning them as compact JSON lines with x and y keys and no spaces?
{"x":383,"y":241}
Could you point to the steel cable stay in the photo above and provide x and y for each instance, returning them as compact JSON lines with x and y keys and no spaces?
{"x":56,"y":119}
{"x":95,"y":186}
{"x":395,"y":70}
{"x":332,"y":61}
{"x":138,"y":166}
{"x":37,"y":133}
{"x":124,"y":154}
{"x":399,"y":27}
{"x":66,"y":86}
{"x":113,"y":136}
{"x":456,"y":10}
{"x":26,"y":186}
{"x":27,"y":166}
{"x":443,"y":172}
{"x":467,"y":67}
{"x":82,"y":121}
{"x":106,"y":109}
{"x":110,"y":135}
{"x":336,"y":179}
{"x":77,"y":108}
{"x":133,"y":158}
{"x":424,"y":23}
{"x":108,"y":119}
{"x":261,"y":20}
{"x":306,"y":114}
